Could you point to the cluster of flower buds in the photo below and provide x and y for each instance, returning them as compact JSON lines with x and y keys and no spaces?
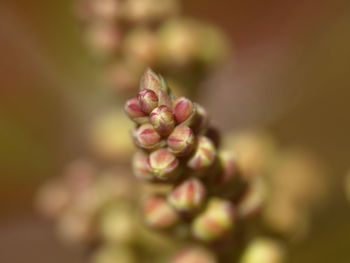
{"x":128,"y":35}
{"x":90,"y":207}
{"x":207,"y":193}
{"x":78,"y":198}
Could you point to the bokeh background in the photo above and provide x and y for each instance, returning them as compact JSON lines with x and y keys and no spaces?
{"x":289,"y":74}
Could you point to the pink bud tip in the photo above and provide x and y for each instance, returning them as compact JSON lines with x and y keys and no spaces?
{"x":188,"y":195}
{"x":181,"y":141}
{"x":215,"y":222}
{"x":133,"y":110}
{"x":146,"y":137}
{"x":158,"y":213}
{"x":148,"y":100}
{"x":162,"y":120}
{"x":204,"y":156}
{"x":183,"y":109}
{"x":163,"y":163}
{"x":141,"y":166}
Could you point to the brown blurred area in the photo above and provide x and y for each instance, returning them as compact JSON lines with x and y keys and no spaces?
{"x":289,"y":74}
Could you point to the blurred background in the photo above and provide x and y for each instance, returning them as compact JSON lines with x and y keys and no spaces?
{"x":289,"y":74}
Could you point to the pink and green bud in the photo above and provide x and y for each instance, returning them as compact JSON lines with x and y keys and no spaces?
{"x":228,"y":169}
{"x":147,"y":138}
{"x":194,"y":255}
{"x":188,"y":196}
{"x":181,"y":141}
{"x":253,"y":199}
{"x":133,"y":110}
{"x":162,"y":120}
{"x":228,"y":180}
{"x":215,"y":222}
{"x":190,"y":114}
{"x":148,"y":100}
{"x":204,"y":155}
{"x":213,"y":134}
{"x":183,"y":109}
{"x":154,"y":82}
{"x":141,"y":167}
{"x":164,"y":164}
{"x":158,"y":213}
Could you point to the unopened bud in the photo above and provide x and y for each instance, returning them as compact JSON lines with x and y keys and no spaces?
{"x":181,"y":141}
{"x":156,"y":83}
{"x":204,"y":156}
{"x":228,"y":180}
{"x":163,"y":164}
{"x":188,"y":196}
{"x":183,"y":109}
{"x":148,"y":100}
{"x":133,"y":110}
{"x":264,"y":250}
{"x":162,"y":120}
{"x":194,"y":255}
{"x":158,"y":213}
{"x":215,"y":222}
{"x":190,"y":114}
{"x":141,"y":167}
{"x":253,"y":199}
{"x":147,"y":138}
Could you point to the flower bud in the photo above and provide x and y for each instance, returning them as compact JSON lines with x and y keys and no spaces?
{"x":162,"y":120}
{"x":163,"y":164}
{"x":181,"y":141}
{"x":189,"y":195}
{"x":156,"y":83}
{"x":183,"y":109}
{"x":147,"y":138}
{"x":228,"y":180}
{"x":151,"y":80}
{"x":141,"y":167}
{"x":158,"y":213}
{"x":190,"y":114}
{"x":264,"y":250}
{"x":133,"y":110}
{"x":216,"y":221}
{"x":148,"y":100}
{"x":140,"y":46}
{"x":194,"y":255}
{"x":117,"y":224}
{"x":204,"y":156}
{"x":103,"y":38}
{"x":253,"y":199}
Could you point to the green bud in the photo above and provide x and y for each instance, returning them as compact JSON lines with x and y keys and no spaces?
{"x":147,"y":138}
{"x":188,"y":195}
{"x":204,"y":155}
{"x":215,"y":222}
{"x":163,"y":164}
{"x":141,"y":167}
{"x":162,"y":120}
{"x":264,"y":250}
{"x":148,"y":100}
{"x":158,"y":213}
{"x":181,"y":141}
{"x":133,"y":109}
